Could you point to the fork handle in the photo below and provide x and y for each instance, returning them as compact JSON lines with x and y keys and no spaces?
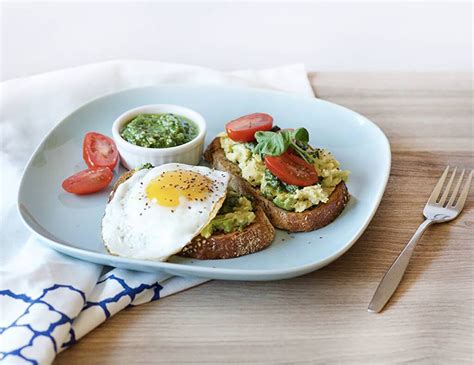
{"x":394,"y":275}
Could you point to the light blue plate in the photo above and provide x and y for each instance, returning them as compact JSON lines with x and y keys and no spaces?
{"x":71,"y":224}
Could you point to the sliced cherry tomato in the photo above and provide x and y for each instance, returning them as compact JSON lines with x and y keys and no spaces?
{"x":88,"y":181}
{"x":292,"y":169}
{"x":243,"y":129}
{"x":99,"y":151}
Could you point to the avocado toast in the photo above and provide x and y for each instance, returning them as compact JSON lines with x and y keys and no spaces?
{"x":239,"y":228}
{"x":310,"y":191}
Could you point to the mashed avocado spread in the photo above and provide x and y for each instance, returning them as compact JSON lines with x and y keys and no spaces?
{"x":235,"y":214}
{"x":288,"y":197}
{"x":159,"y":130}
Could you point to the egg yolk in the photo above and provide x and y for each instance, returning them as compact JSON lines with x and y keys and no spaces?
{"x":169,"y":186}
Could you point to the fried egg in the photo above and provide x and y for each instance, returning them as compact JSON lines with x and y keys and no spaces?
{"x":157,"y":211}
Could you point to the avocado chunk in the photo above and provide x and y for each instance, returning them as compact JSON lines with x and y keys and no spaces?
{"x":285,"y":201}
{"x":235,"y":214}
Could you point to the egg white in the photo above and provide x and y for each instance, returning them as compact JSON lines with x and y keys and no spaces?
{"x":136,"y":227}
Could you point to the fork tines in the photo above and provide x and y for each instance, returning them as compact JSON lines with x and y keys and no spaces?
{"x":439,"y":199}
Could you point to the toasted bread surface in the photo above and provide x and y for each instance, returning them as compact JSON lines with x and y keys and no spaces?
{"x":308,"y":220}
{"x":255,"y":237}
{"x":220,"y":245}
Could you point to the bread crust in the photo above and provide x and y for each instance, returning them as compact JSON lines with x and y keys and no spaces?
{"x":308,"y":220}
{"x":255,"y":237}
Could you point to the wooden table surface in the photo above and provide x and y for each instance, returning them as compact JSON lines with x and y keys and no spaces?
{"x":322,"y":317}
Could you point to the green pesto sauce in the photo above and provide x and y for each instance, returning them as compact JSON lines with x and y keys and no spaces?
{"x":159,"y":130}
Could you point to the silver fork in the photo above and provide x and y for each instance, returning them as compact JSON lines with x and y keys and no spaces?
{"x":436,"y":211}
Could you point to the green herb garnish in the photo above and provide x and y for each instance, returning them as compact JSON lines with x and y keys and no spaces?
{"x":276,"y":143}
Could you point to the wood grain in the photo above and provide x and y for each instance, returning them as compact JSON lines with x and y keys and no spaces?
{"x":322,"y":317}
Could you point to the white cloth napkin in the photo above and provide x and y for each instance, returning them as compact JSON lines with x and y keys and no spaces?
{"x":48,"y":300}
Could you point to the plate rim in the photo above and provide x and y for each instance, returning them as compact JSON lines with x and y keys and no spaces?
{"x":206,"y":271}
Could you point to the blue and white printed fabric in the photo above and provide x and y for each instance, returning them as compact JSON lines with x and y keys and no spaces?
{"x":61,"y":299}
{"x":48,"y":301}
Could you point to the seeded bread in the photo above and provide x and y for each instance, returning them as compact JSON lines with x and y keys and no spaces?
{"x":220,"y":245}
{"x":255,"y":237}
{"x":308,"y":220}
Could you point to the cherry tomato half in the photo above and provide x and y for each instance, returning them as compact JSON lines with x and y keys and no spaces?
{"x":292,"y":169}
{"x":243,"y":129}
{"x":99,"y":151}
{"x":88,"y":181}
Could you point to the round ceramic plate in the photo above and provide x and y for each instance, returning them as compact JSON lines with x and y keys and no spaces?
{"x":71,"y":224}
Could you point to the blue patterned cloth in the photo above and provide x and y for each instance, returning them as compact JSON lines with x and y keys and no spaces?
{"x":49,"y":301}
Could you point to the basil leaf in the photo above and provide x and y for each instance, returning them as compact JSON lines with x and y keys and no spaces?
{"x":301,"y":135}
{"x":276,"y":143}
{"x":270,"y":143}
{"x":286,"y":137}
{"x":263,"y":136}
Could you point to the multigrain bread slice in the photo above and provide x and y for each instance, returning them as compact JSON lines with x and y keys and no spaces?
{"x":255,"y":237}
{"x":220,"y":245}
{"x":308,"y":220}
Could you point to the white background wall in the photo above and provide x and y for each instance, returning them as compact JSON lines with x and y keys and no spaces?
{"x":422,"y":36}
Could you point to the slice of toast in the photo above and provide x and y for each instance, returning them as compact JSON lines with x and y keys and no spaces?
{"x":308,"y":220}
{"x":255,"y":237}
{"x":220,"y":245}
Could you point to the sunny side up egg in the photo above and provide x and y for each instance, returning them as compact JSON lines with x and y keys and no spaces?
{"x":157,"y":211}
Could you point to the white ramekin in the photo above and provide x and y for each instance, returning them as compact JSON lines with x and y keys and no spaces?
{"x":132,"y":156}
